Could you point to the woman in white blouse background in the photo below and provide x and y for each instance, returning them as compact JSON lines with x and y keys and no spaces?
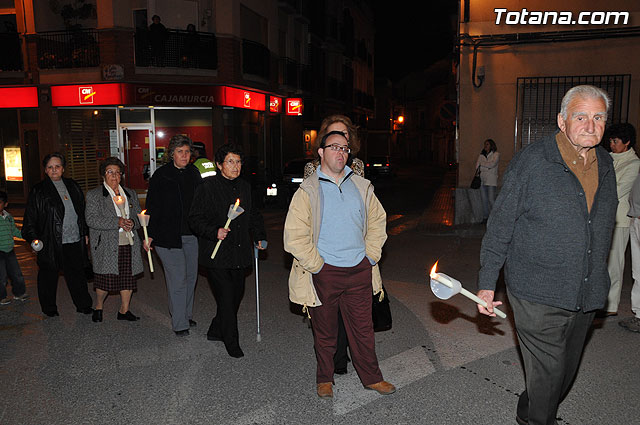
{"x":487,"y":162}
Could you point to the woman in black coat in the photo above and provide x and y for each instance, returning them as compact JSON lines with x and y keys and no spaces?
{"x":55,"y":216}
{"x":171,"y":191}
{"x":227,"y":270}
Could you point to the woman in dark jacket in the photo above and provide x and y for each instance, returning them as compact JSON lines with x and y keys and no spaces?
{"x":55,"y":216}
{"x":115,"y":245}
{"x":227,"y":270}
{"x":171,"y":191}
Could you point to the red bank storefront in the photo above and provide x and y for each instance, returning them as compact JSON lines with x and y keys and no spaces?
{"x":136,"y":122}
{"x":20,"y":166}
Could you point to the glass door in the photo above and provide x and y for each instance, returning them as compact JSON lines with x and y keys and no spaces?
{"x":139,"y":155}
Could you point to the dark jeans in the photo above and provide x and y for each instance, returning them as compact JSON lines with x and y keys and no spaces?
{"x":9,"y":267}
{"x":551,"y":340}
{"x":74,"y":275}
{"x":228,"y":289}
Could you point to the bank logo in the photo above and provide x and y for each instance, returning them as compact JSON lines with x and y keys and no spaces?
{"x":86,"y":95}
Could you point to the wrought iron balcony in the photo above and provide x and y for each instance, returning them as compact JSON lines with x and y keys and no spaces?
{"x":176,"y":48}
{"x":77,"y":48}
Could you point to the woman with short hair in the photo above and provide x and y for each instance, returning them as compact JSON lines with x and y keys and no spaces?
{"x":55,"y":216}
{"x":171,"y":191}
{"x":115,"y":245}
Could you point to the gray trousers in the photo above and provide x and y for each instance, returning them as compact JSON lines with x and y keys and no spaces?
{"x":551,"y":340}
{"x":180,"y":273}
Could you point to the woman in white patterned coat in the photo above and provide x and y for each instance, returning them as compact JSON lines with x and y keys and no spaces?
{"x":115,"y":244}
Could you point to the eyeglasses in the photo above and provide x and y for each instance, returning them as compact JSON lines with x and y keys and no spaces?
{"x":338,"y":148}
{"x":113,"y":173}
{"x":233,"y":162}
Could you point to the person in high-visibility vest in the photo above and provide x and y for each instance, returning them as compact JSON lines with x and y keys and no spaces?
{"x":206,"y":167}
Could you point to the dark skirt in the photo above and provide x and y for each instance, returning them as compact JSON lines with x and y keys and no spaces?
{"x":118,"y":282}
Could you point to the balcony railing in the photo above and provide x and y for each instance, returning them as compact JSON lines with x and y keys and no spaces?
{"x":256,"y":59}
{"x":10,"y":52}
{"x":176,"y":48}
{"x":68,"y":49}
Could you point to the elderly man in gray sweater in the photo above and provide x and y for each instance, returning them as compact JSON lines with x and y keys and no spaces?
{"x":551,"y":228}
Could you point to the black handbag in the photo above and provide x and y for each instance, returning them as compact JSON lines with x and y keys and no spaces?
{"x":476,"y":182}
{"x":381,"y":312}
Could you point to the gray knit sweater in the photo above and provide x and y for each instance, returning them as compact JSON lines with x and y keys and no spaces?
{"x":554,"y":250}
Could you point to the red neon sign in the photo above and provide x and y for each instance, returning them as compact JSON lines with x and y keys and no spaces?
{"x":275,"y":104}
{"x":79,"y":95}
{"x":18,"y":97}
{"x":294,"y":106}
{"x":243,"y":99}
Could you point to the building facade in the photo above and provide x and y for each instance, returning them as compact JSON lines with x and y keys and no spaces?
{"x":121,"y":77}
{"x":518,"y":59}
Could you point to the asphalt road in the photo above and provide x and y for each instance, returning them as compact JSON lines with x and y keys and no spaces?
{"x":451,"y":366}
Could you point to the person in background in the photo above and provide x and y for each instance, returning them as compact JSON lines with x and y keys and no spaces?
{"x":206,"y":167}
{"x":621,"y":138}
{"x":335,"y":230}
{"x":158,"y":36}
{"x":115,"y":245}
{"x":9,"y":266}
{"x":226,"y":272}
{"x":54,"y":216}
{"x":551,"y":230}
{"x":339,"y":123}
{"x":171,"y":191}
{"x":633,"y":323}
{"x":487,"y":163}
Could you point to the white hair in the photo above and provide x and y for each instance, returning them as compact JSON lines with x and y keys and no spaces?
{"x":584,"y":91}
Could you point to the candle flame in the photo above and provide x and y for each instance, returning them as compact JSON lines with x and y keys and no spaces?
{"x":143,"y":211}
{"x":237,"y":202}
{"x":433,"y":273}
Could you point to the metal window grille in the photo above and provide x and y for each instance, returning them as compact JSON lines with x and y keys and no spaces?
{"x":86,"y":143}
{"x":538,"y":102}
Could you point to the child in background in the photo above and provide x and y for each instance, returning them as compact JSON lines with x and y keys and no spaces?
{"x":8,"y":261}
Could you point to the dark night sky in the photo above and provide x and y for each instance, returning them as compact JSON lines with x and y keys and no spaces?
{"x":411,"y":35}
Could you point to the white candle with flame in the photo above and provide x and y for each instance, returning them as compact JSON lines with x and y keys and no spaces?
{"x":144,"y":222}
{"x":456,"y":287}
{"x":226,"y":226}
{"x":119,"y":200}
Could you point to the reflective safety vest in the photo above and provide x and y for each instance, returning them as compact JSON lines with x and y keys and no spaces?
{"x":207,"y":168}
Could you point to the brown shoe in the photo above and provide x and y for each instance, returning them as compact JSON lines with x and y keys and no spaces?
{"x":325,"y":390}
{"x":382,"y":387}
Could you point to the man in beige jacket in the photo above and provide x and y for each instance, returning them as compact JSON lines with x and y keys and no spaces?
{"x":335,"y":229}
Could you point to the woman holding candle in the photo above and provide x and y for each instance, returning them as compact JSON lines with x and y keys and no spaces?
{"x":171,"y":191}
{"x":54,"y":216}
{"x":226,"y":272}
{"x":115,"y":247}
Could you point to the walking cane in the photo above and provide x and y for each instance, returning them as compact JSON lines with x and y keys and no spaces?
{"x":255,"y":252}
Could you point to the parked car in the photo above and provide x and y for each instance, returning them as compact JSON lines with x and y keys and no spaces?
{"x":378,"y":166}
{"x":292,"y":176}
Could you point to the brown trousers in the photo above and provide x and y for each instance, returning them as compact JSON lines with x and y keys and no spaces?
{"x":348,"y":290}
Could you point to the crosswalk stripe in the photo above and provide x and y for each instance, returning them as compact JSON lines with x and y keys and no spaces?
{"x":401,"y":370}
